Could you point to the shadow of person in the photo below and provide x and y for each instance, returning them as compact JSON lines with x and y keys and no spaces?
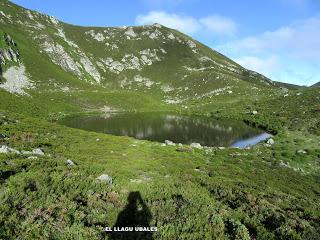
{"x":135,"y":214}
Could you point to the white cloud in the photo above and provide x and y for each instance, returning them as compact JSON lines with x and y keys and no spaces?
{"x":279,"y":68}
{"x":219,"y":24}
{"x":183,"y":23}
{"x":213,"y":24}
{"x":290,"y":53}
{"x":300,"y":40}
{"x":263,"y":65}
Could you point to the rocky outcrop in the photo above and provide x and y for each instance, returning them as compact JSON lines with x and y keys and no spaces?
{"x":62,"y":56}
{"x":16,"y":80}
{"x":10,"y":53}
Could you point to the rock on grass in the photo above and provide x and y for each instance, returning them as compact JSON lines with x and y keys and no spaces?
{"x":105,"y":178}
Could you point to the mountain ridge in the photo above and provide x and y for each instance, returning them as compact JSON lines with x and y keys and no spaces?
{"x":149,"y":58}
{"x":316,"y":85}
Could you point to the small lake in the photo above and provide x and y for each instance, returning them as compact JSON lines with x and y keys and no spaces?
{"x":183,"y":129}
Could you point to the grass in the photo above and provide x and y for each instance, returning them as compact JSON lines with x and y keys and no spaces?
{"x":228,"y":193}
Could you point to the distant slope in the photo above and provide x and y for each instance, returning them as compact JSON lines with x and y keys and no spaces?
{"x":289,"y":86}
{"x":316,"y":85}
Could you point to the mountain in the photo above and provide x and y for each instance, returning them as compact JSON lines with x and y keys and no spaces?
{"x":56,"y":61}
{"x":289,"y":86}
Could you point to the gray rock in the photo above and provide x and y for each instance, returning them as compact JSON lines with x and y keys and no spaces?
{"x":169,"y":143}
{"x":5,"y":149}
{"x":38,"y":151}
{"x":254,"y":112}
{"x":301,"y":151}
{"x":26,"y":152}
{"x":196,"y":145}
{"x":105,"y":178}
{"x":283,"y":164}
{"x":13,"y":55}
{"x":70,"y":162}
{"x":4,"y":55}
{"x":17,"y":80}
{"x":270,"y":141}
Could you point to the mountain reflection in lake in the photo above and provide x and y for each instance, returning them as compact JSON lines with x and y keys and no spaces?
{"x":177,"y":128}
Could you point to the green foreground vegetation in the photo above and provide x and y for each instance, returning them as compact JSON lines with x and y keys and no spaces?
{"x":49,"y":186}
{"x":258,"y":193}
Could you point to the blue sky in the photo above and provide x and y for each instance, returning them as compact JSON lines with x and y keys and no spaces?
{"x":278,"y":38}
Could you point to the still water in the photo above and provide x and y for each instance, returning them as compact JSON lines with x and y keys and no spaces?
{"x":176,"y":128}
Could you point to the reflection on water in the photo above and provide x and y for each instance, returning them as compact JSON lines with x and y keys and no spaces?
{"x":177,"y":128}
{"x":243,"y":143}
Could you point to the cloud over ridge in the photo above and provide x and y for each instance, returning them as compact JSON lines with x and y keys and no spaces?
{"x":214,"y":24}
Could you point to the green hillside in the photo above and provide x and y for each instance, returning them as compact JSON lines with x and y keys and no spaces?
{"x":66,"y":64}
{"x":49,"y":173}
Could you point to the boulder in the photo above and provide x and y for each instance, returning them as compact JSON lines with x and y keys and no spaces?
{"x":70,"y":162}
{"x":37,"y":151}
{"x":270,"y":141}
{"x":26,"y":152}
{"x":169,"y":143}
{"x":301,"y":151}
{"x":254,"y":112}
{"x":105,"y":178}
{"x":196,"y":145}
{"x":6,"y":150}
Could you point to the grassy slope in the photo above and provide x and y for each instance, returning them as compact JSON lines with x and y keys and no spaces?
{"x":264,"y":192}
{"x":50,"y":78}
{"x":211,"y":193}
